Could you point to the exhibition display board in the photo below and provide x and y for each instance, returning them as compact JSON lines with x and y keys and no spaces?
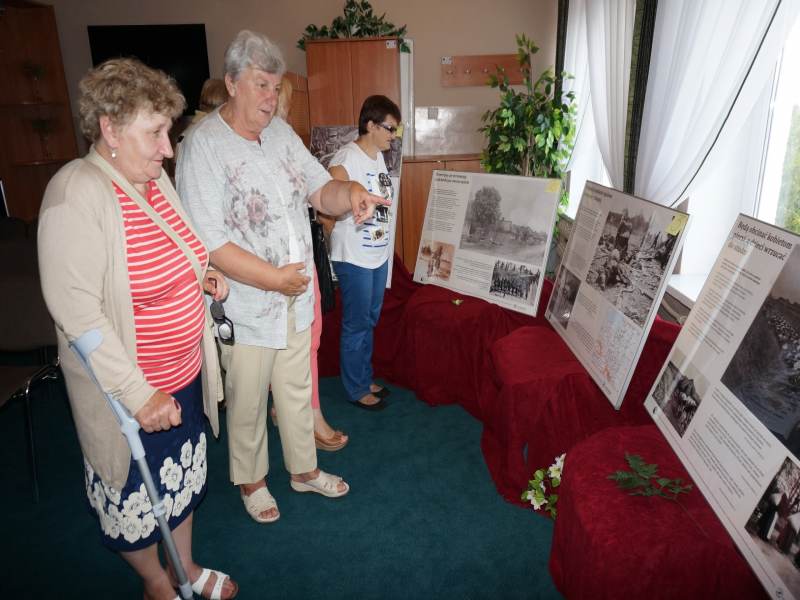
{"x":488,"y":236}
{"x":611,"y":281}
{"x":728,"y":398}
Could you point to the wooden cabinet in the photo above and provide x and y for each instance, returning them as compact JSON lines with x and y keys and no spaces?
{"x":415,"y":184}
{"x":35,"y":118}
{"x":298,"y":109}
{"x":343,"y":73}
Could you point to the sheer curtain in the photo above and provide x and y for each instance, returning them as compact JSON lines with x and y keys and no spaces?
{"x":702,"y":54}
{"x":586,"y":162}
{"x":609,"y":35}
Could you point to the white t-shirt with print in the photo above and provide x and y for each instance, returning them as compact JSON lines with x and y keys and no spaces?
{"x":367,"y":245}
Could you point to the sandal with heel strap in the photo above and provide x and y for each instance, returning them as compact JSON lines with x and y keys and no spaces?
{"x":324,"y":483}
{"x":199,"y":584}
{"x":258,"y":502}
{"x":216,"y":591}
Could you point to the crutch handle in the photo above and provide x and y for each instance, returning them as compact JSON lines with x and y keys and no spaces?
{"x":83,"y":347}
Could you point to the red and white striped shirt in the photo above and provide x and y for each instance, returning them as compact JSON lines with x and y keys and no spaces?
{"x":168,"y":307}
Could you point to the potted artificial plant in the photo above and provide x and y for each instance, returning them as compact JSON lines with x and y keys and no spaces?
{"x":532,"y":132}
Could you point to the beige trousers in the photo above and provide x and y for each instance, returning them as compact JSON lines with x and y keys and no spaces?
{"x":250,"y":370}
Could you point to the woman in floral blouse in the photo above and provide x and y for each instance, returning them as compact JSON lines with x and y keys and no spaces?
{"x":247,"y":180}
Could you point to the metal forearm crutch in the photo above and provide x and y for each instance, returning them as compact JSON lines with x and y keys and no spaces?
{"x":83,"y":347}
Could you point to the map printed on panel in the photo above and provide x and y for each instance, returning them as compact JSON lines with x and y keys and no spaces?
{"x":611,"y":281}
{"x":488,"y":236}
{"x":728,"y":398}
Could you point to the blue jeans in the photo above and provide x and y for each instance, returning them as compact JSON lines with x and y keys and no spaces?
{"x":362,"y":297}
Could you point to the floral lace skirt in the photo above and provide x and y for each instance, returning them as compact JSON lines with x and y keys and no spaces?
{"x":177,"y":460}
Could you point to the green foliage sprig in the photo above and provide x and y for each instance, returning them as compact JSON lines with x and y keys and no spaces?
{"x":358,"y":21}
{"x":643,"y":480}
{"x":531,"y":133}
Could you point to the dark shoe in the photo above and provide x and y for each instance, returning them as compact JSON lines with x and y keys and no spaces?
{"x":382,"y":393}
{"x":379,"y":405}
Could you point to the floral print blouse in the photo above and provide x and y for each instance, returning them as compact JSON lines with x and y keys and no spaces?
{"x":256,"y":196}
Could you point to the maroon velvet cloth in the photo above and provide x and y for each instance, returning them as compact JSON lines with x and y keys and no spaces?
{"x":609,"y":544}
{"x":444,"y":347}
{"x":539,"y":401}
{"x":426,"y":343}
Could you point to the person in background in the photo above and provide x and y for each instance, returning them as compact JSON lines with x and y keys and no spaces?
{"x":360,"y":251}
{"x":212,"y":95}
{"x":118,"y":254}
{"x":247,"y":180}
{"x":325,"y":437}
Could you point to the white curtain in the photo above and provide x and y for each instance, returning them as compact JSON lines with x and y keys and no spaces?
{"x":576,"y":58}
{"x":609,"y":35}
{"x":586,"y":162}
{"x":702,"y":53}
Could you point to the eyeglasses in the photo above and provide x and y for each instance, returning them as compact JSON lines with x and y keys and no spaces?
{"x":391,"y":128}
{"x":224,"y":324}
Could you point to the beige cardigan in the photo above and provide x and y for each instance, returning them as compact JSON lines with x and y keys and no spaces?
{"x":84,"y":271}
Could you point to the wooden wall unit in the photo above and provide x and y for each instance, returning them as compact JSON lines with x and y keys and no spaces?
{"x":298,"y":111}
{"x":35,"y":117}
{"x":415,"y":185}
{"x":342,"y":73}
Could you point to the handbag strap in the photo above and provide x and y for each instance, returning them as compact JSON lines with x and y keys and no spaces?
{"x":134,"y":195}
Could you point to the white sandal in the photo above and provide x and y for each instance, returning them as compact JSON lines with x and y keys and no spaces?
{"x":216,"y":591}
{"x":324,"y":483}
{"x":258,"y":502}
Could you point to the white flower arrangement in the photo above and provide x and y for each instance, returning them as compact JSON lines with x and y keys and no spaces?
{"x":540,"y":492}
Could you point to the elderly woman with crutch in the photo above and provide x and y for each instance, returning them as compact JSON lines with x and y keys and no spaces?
{"x":119,"y":257}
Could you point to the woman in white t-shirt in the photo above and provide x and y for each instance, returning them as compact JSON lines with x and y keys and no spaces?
{"x":360,"y":253}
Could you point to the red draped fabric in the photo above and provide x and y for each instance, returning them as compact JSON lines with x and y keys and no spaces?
{"x":608,"y":544}
{"x":540,"y":401}
{"x":427,"y":343}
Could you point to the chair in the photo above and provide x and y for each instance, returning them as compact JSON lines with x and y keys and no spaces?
{"x":17,"y":383}
{"x":26,"y":332}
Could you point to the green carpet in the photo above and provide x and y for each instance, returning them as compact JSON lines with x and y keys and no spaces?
{"x":422,"y":519}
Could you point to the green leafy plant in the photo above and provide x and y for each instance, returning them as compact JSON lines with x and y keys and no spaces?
{"x":358,"y":21}
{"x":532,"y":132}
{"x":643,"y":480}
{"x":540,"y":492}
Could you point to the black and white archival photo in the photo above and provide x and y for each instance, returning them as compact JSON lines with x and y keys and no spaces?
{"x":503,"y":220}
{"x":764,"y":373}
{"x":563,"y":298}
{"x":514,"y":280}
{"x":678,"y":396}
{"x":774,"y":525}
{"x":630,"y":258}
{"x":325,"y":141}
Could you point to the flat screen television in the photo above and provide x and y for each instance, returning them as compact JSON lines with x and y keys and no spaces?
{"x":178,"y":50}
